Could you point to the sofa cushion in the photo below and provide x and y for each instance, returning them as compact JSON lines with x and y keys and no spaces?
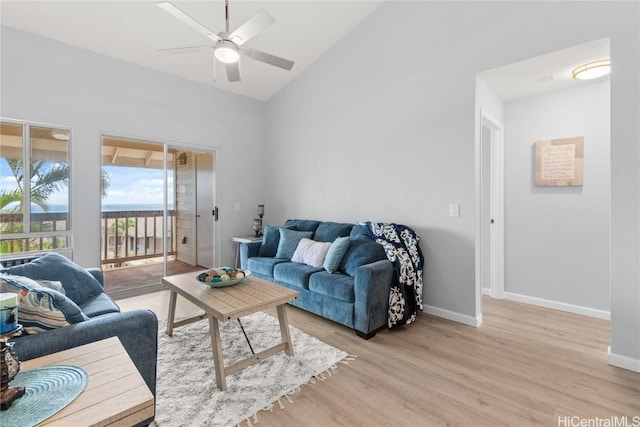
{"x":263,"y":265}
{"x":99,"y":305}
{"x":361,"y":251}
{"x":311,"y":252}
{"x":270,"y":239}
{"x":39,"y":308}
{"x":330,"y":231}
{"x":339,"y":286}
{"x":301,"y":224}
{"x":289,"y":240}
{"x":359,"y":232}
{"x":336,"y":253}
{"x":295,"y":274}
{"x":78,"y":283}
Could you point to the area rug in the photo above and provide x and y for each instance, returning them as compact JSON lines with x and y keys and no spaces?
{"x":187,"y":394}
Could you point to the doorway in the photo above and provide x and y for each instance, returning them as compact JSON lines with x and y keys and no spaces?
{"x":148,"y":218}
{"x":491,"y":206}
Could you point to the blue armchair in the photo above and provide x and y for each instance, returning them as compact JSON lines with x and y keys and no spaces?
{"x":136,"y":330}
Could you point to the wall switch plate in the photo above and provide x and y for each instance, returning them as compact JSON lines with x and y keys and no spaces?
{"x":237,"y":207}
{"x":454,"y":209}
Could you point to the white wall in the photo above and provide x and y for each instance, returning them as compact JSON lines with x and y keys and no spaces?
{"x":47,"y":81}
{"x":557,"y":238}
{"x":361,"y":135}
{"x":357,"y":135}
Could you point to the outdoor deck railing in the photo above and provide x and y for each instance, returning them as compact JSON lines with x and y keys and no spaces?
{"x":134,"y":235}
{"x":124,"y":235}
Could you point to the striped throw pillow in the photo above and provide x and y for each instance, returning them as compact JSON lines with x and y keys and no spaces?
{"x":39,"y":308}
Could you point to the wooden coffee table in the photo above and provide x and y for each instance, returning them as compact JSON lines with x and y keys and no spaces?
{"x":116,"y":393}
{"x":223,"y":304}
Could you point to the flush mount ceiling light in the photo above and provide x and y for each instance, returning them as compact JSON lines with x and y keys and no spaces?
{"x":592,"y":70}
{"x":60,"y":135}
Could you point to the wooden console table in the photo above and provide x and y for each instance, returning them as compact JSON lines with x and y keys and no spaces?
{"x":116,"y":394}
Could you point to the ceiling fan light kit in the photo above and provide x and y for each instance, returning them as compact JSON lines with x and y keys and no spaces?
{"x":227,"y":52}
{"x":229,"y":47}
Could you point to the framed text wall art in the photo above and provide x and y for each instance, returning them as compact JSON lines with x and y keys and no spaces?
{"x":560,"y":162}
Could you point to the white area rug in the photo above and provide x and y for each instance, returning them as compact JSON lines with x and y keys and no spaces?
{"x":187,"y":394}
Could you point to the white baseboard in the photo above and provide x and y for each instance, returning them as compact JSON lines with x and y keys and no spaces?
{"x":624,"y":362}
{"x":487,"y":291}
{"x":576,"y":309}
{"x":452,"y":315}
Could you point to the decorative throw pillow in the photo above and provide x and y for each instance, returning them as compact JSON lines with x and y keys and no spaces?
{"x":335,"y":254}
{"x":40,"y":309}
{"x":311,"y":252}
{"x":362,"y":251}
{"x":289,"y":240}
{"x":270,"y":240}
{"x":78,"y":283}
{"x":52,"y":284}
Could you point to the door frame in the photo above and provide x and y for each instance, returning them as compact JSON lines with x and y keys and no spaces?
{"x":171,"y":145}
{"x":494,"y":261}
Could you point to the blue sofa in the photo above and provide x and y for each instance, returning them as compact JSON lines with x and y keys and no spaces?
{"x":136,"y":330}
{"x":356,"y":296}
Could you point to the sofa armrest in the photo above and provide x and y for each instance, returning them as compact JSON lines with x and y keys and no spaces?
{"x":248,"y":250}
{"x":372,"y":283}
{"x":97,"y":273}
{"x":137,"y":331}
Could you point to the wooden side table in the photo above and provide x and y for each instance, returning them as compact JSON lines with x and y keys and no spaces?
{"x":116,"y":393}
{"x":244,"y":239}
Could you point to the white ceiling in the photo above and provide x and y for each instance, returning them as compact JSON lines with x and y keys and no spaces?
{"x":544,"y":73}
{"x":134,"y":31}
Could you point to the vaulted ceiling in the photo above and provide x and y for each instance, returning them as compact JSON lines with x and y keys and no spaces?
{"x":135,"y":31}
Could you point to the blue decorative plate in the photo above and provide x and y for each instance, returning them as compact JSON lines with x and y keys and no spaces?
{"x":47,"y":390}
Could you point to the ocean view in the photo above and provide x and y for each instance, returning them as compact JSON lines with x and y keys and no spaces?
{"x":116,"y":207}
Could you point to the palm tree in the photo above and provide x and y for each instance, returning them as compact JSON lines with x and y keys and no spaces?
{"x":46,"y":179}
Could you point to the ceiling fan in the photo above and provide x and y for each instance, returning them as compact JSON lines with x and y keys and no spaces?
{"x":229,"y":46}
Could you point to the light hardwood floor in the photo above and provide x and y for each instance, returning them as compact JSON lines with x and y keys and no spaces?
{"x":524,"y":366}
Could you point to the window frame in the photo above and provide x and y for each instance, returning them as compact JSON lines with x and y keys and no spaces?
{"x":26,"y":181}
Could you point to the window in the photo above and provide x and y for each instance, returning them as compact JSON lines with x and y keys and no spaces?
{"x":34,"y":188}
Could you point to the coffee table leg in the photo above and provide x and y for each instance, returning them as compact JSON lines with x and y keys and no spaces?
{"x":284,"y":329}
{"x":216,"y":344}
{"x":172,"y":312}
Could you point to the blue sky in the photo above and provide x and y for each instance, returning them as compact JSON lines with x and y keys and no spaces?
{"x":127,"y":185}
{"x":135,"y":186}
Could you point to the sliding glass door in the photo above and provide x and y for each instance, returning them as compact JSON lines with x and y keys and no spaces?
{"x":148,"y":218}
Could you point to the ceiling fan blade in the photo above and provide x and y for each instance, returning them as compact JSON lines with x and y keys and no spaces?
{"x":233,"y":71}
{"x":252,"y":27}
{"x":181,"y":50}
{"x":177,"y":13}
{"x":267,"y":58}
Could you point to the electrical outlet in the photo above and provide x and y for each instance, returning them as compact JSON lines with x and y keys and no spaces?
{"x":454,"y":209}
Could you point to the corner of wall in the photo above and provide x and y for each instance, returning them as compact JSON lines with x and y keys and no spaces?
{"x":623,"y":362}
